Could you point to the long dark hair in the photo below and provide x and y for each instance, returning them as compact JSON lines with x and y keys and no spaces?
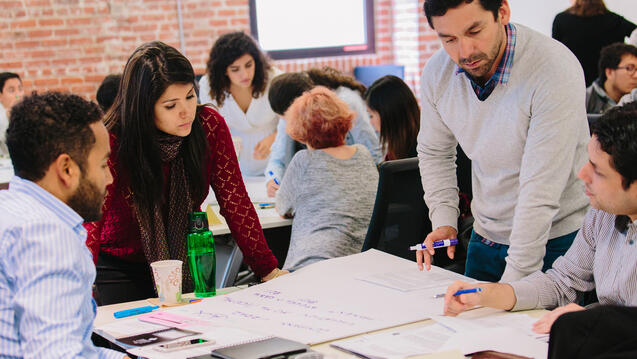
{"x":588,"y":8}
{"x":226,"y":50}
{"x":333,"y":79}
{"x":399,"y":115}
{"x":149,"y":71}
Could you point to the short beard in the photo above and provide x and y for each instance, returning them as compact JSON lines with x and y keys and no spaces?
{"x":87,"y":200}
{"x":480,"y":74}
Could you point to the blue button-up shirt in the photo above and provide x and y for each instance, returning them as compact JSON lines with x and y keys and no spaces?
{"x":46,"y":274}
{"x":502,"y":72}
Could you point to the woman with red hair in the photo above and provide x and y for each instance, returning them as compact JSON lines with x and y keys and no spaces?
{"x":329,"y":189}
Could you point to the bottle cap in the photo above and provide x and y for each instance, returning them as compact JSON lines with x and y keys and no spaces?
{"x":197,"y":221}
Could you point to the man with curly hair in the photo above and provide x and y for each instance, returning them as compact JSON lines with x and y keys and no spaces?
{"x":59,"y":148}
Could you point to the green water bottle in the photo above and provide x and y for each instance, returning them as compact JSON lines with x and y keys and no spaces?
{"x":201,"y":255}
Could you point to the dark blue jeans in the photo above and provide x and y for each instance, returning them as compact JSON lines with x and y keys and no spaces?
{"x":485,"y":259}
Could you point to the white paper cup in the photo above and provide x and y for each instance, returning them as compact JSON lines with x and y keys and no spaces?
{"x":168,"y":280}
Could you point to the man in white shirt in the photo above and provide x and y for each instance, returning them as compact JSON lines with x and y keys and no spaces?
{"x":10,"y":92}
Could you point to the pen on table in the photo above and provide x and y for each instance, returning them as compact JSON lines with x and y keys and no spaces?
{"x":437,"y":244}
{"x":266,"y":205}
{"x":271,"y":174}
{"x":134,"y":311}
{"x":463,"y":291}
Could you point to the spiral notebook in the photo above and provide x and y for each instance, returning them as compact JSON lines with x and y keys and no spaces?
{"x":224,"y":337}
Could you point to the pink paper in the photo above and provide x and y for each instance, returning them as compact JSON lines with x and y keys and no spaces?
{"x":172,"y":320}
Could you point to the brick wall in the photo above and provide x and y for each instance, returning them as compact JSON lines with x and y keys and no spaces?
{"x":71,"y":45}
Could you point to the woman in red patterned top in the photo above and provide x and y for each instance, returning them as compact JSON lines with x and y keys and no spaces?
{"x":166,"y":153}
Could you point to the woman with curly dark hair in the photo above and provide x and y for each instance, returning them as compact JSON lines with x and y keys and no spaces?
{"x":236,"y":83}
{"x":166,"y":154}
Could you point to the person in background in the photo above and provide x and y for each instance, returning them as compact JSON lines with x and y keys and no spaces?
{"x":59,"y":148}
{"x":513,"y":99}
{"x":166,"y":154}
{"x":329,"y":189}
{"x":585,"y":28}
{"x":602,"y":256}
{"x":107,"y":91}
{"x":236,"y":84}
{"x":395,"y":115}
{"x":286,"y":88}
{"x":617,"y":77}
{"x":11,"y":92}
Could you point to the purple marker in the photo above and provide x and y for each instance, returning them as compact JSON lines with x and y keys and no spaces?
{"x":437,"y":244}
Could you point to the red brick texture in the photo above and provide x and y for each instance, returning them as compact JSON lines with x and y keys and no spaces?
{"x":71,"y":45}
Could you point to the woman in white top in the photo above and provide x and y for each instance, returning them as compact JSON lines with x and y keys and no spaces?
{"x":236,"y":83}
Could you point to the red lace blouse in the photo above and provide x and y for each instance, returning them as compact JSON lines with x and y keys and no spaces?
{"x":117,"y":233}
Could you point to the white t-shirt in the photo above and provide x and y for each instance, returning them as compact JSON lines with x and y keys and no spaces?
{"x":4,"y":124}
{"x":252,"y":126}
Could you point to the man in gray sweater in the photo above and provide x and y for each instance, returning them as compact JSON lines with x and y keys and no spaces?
{"x":514,"y":101}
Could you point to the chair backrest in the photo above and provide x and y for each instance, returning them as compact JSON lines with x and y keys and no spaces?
{"x":592,"y":118}
{"x":368,"y":74}
{"x":400,"y":217}
{"x":229,"y":258}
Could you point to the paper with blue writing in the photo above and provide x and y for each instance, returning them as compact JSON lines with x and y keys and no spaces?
{"x":323,"y":301}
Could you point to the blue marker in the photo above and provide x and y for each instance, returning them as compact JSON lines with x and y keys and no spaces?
{"x":467,"y":291}
{"x":437,"y":244}
{"x":134,"y":311}
{"x":464,"y":291}
{"x":271,"y":174}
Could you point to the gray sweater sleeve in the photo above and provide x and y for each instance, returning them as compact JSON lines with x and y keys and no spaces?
{"x":437,"y":154}
{"x":291,"y":184}
{"x":558,"y":110}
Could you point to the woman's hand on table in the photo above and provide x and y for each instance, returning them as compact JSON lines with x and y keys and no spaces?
{"x":262,"y":149}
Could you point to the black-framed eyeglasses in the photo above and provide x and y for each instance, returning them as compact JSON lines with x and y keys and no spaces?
{"x":629,"y":68}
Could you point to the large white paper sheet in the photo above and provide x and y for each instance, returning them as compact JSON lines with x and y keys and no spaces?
{"x":255,"y":186}
{"x":519,"y":321}
{"x":409,"y":280}
{"x":324,"y":301}
{"x":397,"y":344}
{"x":495,"y":330}
{"x":504,"y":340}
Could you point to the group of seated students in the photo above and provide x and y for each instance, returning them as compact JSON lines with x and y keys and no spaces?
{"x":121,"y":183}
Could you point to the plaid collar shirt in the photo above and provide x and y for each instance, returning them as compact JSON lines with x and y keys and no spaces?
{"x":502,"y":72}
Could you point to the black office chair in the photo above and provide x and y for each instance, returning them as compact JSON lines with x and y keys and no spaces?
{"x":592,"y":118}
{"x":400,"y":218}
{"x":228,"y":260}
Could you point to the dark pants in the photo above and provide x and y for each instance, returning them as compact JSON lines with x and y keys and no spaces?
{"x":602,"y":332}
{"x":485,"y":259}
{"x":120,"y":281}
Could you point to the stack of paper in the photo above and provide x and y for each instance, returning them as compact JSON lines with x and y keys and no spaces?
{"x":503,"y":332}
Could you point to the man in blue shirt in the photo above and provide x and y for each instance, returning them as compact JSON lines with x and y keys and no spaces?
{"x":59,"y":148}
